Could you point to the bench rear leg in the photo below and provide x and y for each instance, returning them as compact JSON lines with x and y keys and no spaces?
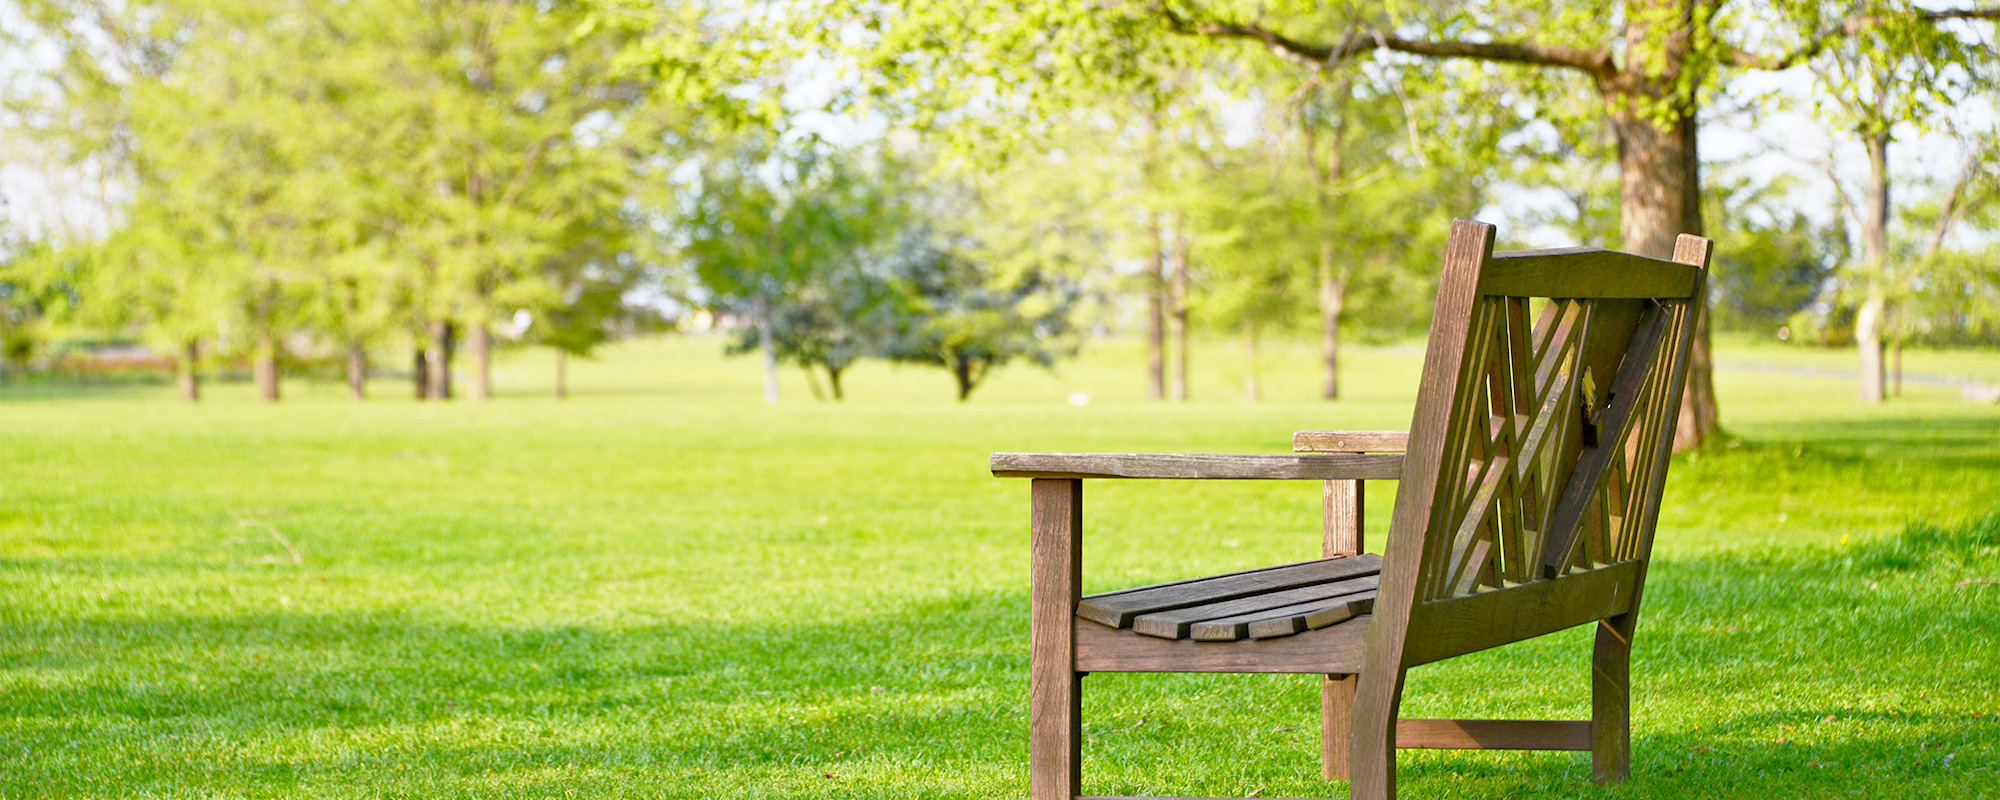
{"x":1611,"y":701}
{"x":1373,"y":758}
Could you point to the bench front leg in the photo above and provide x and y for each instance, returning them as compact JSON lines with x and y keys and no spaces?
{"x":1342,"y":510}
{"x":1055,"y":690}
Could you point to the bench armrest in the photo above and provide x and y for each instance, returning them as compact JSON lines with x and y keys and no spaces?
{"x":1351,"y":441}
{"x":1315,"y":466}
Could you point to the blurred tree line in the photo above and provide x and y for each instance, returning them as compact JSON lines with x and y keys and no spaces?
{"x":330,"y":181}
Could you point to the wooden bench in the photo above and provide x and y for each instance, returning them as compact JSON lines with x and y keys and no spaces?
{"x":1531,"y":478}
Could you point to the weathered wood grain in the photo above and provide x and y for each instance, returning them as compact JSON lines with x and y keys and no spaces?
{"x":1336,"y":725}
{"x":1373,"y":756}
{"x":1564,"y":532}
{"x":1350,"y":441}
{"x":1119,"y":609}
{"x":1174,"y":623}
{"x":1492,"y":734}
{"x":1055,"y":690}
{"x":1611,"y":659}
{"x":1337,"y":648}
{"x":1584,"y":272}
{"x":1459,"y":625}
{"x":1342,"y":505}
{"x":1283,"y":620}
{"x":1312,"y":466}
{"x":1611,"y":701}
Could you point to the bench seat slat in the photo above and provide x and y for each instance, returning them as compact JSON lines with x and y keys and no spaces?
{"x":1174,"y":623}
{"x":1118,"y":609}
{"x":1284,"y":620}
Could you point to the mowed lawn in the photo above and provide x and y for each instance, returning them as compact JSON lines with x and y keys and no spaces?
{"x":665,"y":588}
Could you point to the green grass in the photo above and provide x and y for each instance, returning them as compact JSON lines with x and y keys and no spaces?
{"x":665,"y":588}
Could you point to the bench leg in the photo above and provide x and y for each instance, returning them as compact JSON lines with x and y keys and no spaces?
{"x":1372,"y":767}
{"x":1055,"y":709}
{"x":1336,"y":726}
{"x":1342,"y":509}
{"x":1611,"y":701}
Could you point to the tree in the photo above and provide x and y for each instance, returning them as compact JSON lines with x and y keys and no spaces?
{"x":1956,"y":298}
{"x":837,"y":317}
{"x":592,"y":309}
{"x":33,"y":289}
{"x":961,"y":313}
{"x":147,"y":274}
{"x":524,"y":121}
{"x":1874,"y":86}
{"x":350,"y":168}
{"x":764,"y":225}
{"x":1647,"y":64}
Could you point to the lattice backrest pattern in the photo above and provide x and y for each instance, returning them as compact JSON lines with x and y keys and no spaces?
{"x":1555,"y":441}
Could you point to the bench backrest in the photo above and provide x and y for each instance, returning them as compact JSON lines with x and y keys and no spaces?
{"x":1541,"y":451}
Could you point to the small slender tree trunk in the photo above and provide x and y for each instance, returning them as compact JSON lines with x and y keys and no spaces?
{"x":1156,"y":312}
{"x":833,"y":382}
{"x":1253,"y":389}
{"x":420,"y":373}
{"x":187,"y":377}
{"x":439,"y":359}
{"x":768,"y":349}
{"x":1332,"y":279}
{"x":479,"y":341}
{"x":562,"y":374}
{"x":357,"y":370}
{"x":1896,"y":350}
{"x":1875,"y":241}
{"x":264,"y":366}
{"x":1896,"y":364}
{"x":1179,"y":289}
{"x":812,"y":383}
{"x":1332,"y":296}
{"x":962,"y":371}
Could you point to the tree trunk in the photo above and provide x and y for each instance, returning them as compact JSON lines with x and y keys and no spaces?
{"x":357,"y":370}
{"x":1875,"y":242}
{"x":1332,"y":295}
{"x":187,"y":378}
{"x":420,"y":373}
{"x":833,"y":382}
{"x":767,"y":349}
{"x":562,"y":374}
{"x":961,"y":370}
{"x":812,"y":383}
{"x":479,"y":340}
{"x":1253,"y":390}
{"x":1332,"y":279}
{"x":264,"y":365}
{"x":1659,"y":199}
{"x":1156,"y":312}
{"x":1179,"y":298}
{"x":1896,"y":367}
{"x":438,"y":360}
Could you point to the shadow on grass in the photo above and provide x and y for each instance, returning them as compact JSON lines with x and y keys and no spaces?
{"x":1862,"y":670}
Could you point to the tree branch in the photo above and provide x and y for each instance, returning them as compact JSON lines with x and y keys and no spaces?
{"x":1360,"y":40}
{"x":1847,"y":27}
{"x":1952,"y":203}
